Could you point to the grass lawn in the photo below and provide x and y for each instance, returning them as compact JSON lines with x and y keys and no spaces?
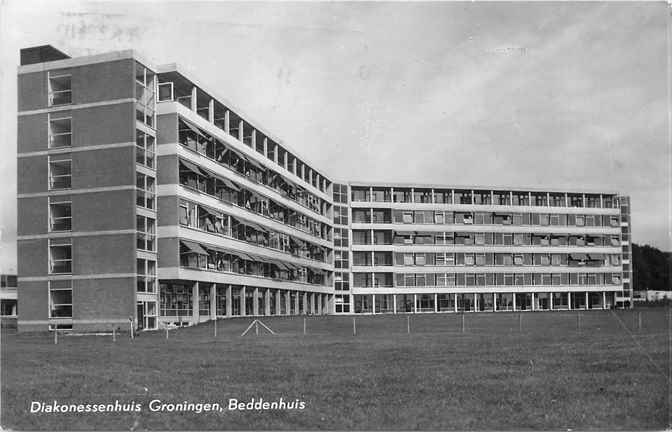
{"x":550,"y":375}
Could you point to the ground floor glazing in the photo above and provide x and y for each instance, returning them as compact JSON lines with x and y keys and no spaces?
{"x":474,"y":302}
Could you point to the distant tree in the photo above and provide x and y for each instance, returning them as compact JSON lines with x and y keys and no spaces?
{"x":651,"y":268}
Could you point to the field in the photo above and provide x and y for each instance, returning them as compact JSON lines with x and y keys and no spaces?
{"x":557,"y":370}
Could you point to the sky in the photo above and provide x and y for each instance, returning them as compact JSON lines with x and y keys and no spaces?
{"x":557,"y":95}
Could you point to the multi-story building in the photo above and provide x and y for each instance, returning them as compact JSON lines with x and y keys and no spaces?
{"x":144,"y":196}
{"x":424,"y":248}
{"x":8,"y":304}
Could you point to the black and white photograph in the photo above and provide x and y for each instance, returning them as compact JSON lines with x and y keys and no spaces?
{"x":353,"y":215}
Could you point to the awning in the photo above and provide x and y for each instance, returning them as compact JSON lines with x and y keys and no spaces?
{"x":230,"y":184}
{"x":255,"y":164}
{"x":242,"y":255}
{"x":259,"y":258}
{"x":236,"y":152}
{"x":193,"y":247}
{"x":281,"y":264}
{"x":210,"y":212}
{"x":578,"y":256}
{"x":193,"y":127}
{"x":191,"y":167}
{"x":254,"y":226}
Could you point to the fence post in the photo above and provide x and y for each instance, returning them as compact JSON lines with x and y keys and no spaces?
{"x":304,"y":326}
{"x":354,"y":327}
{"x":639,"y":321}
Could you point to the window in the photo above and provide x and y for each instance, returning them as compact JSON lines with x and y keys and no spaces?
{"x":361,"y":194}
{"x":144,"y":94}
{"x":341,"y":259}
{"x":146,"y":275}
{"x":146,"y":233}
{"x":420,"y":259}
{"x":60,"y":172}
{"x":340,"y":215}
{"x":469,"y":259}
{"x":342,"y":303}
{"x":60,"y":256}
{"x":341,"y":237}
{"x":408,"y":217}
{"x":60,"y":299}
{"x":60,"y":89}
{"x":341,"y":281}
{"x":145,"y":191}
{"x":144,"y":149}
{"x":381,"y":195}
{"x":60,"y":131}
{"x":60,"y":213}
{"x":340,"y":193}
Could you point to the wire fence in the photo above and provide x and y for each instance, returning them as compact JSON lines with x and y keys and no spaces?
{"x":625,"y":323}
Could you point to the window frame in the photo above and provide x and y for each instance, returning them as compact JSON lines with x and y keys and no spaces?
{"x":51,"y":118}
{"x":51,"y":93}
{"x":59,"y":243}
{"x":51,"y":304}
{"x":61,"y":201}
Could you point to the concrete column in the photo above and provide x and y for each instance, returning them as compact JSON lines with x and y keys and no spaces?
{"x":569,"y":298}
{"x":213,"y":301}
{"x":532,"y":305}
{"x":514,"y":301}
{"x":494,"y":302}
{"x":373,"y":301}
{"x":229,"y":300}
{"x":241,"y":130}
{"x":304,"y":299}
{"x":243,"y":300}
{"x":604,"y":294}
{"x":267,"y":302}
{"x":211,"y":111}
{"x":455,"y":297}
{"x":255,"y":302}
{"x":194,"y":95}
{"x":313,"y":309}
{"x":415,"y":298}
{"x":227,"y":121}
{"x":320,"y":299}
{"x":475,"y":302}
{"x":550,"y":301}
{"x":253,"y":141}
{"x":195,"y":313}
{"x":394,"y":303}
{"x":278,"y":301}
{"x":288,"y":303}
{"x":585,"y":305}
{"x":296,"y":303}
{"x":436,"y":296}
